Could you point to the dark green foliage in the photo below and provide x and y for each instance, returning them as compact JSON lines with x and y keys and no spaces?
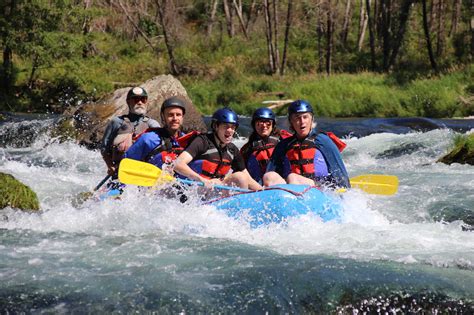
{"x":56,"y":62}
{"x":16,"y":195}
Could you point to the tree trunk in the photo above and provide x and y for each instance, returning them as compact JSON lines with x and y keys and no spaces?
{"x":362,"y":25}
{"x":212,"y":16}
{"x":428,"y":37}
{"x":371,"y":36}
{"x":346,"y":23}
{"x":440,"y":30}
{"x":86,"y":28}
{"x":174,"y":69}
{"x":250,"y":14}
{"x":472,"y":30}
{"x":7,"y":79}
{"x":455,"y":17}
{"x":329,"y":36}
{"x":404,"y":14}
{"x":320,"y":34}
{"x":34,"y":67}
{"x":386,"y":32}
{"x":137,"y":28}
{"x":229,"y":19}
{"x":238,"y":10}
{"x":7,"y":69}
{"x":269,"y":34}
{"x":275,"y":37}
{"x":287,"y":35}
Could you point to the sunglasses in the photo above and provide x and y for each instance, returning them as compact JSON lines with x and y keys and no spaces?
{"x":137,"y":99}
{"x":264,"y":122}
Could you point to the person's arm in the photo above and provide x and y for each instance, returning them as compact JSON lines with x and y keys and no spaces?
{"x":252,"y":183}
{"x":196,"y":147}
{"x":143,"y":146}
{"x":106,"y":145}
{"x":153,"y":123}
{"x":181,"y":166}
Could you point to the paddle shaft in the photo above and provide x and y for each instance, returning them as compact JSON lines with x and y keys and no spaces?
{"x":102,"y":182}
{"x":193,"y":182}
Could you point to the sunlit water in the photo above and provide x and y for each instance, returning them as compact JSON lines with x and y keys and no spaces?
{"x":148,"y":253}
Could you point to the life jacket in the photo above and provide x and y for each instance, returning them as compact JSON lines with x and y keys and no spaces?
{"x":301,"y":154}
{"x":128,"y":128}
{"x":262,"y":150}
{"x":169,"y":148}
{"x":215,"y":162}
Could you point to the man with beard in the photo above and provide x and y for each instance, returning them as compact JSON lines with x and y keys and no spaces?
{"x":120,"y":132}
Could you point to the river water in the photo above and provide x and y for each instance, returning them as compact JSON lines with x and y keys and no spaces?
{"x":411,"y":252}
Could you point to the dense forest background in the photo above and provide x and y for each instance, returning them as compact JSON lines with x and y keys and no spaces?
{"x":347,"y":57}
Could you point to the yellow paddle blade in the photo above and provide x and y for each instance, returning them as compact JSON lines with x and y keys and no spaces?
{"x":139,"y":173}
{"x":376,"y":184}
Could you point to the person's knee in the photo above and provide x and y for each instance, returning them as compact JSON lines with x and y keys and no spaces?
{"x":237,"y":179}
{"x":272,"y":178}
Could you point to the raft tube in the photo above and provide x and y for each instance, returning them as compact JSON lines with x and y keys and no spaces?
{"x":277,"y":203}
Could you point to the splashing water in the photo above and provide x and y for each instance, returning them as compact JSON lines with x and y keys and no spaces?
{"x":144,"y":252}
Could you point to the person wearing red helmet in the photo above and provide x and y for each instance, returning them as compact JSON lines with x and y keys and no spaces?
{"x":308,"y":157}
{"x":210,"y":157}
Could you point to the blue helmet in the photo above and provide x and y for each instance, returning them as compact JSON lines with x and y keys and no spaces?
{"x":263,"y":113}
{"x":299,"y":106}
{"x":225,"y":115}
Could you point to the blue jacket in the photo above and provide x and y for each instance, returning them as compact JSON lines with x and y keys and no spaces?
{"x":327,"y":158}
{"x":142,"y":149}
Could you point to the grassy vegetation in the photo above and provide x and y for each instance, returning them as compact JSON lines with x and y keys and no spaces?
{"x":222,"y":71}
{"x":16,"y":195}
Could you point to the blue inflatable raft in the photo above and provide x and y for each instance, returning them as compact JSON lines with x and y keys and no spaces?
{"x":280,"y":202}
{"x":273,"y":205}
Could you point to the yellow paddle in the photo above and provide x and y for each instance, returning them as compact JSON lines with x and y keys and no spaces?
{"x":139,"y":173}
{"x":376,"y":184}
{"x":145,"y":174}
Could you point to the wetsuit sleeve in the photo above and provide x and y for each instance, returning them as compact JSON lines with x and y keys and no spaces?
{"x":197,"y":147}
{"x":153,"y":123}
{"x":276,"y":161}
{"x":238,"y":163}
{"x":143,"y":146}
{"x":109,"y":135}
{"x":336,"y":168}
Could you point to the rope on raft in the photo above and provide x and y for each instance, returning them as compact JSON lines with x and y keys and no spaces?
{"x":298,"y":194}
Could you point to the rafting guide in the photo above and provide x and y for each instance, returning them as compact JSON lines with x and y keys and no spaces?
{"x":122,"y":130}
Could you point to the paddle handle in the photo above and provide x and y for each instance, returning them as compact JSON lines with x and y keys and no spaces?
{"x":102,"y":182}
{"x":193,"y":182}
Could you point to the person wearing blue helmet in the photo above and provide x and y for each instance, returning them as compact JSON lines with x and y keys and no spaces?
{"x":308,"y":157}
{"x":259,"y":148}
{"x":210,"y":157}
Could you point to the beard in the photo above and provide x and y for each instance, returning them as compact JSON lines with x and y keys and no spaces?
{"x":139,"y":110}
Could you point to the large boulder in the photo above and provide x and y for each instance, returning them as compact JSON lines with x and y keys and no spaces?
{"x":87,"y":122}
{"x":16,"y":195}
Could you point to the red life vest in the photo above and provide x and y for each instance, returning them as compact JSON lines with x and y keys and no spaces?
{"x":169,"y":149}
{"x":301,"y":157}
{"x":301,"y":154}
{"x":215,"y":162}
{"x":263,"y":150}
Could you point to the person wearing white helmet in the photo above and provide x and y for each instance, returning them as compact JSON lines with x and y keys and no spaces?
{"x":120,"y":132}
